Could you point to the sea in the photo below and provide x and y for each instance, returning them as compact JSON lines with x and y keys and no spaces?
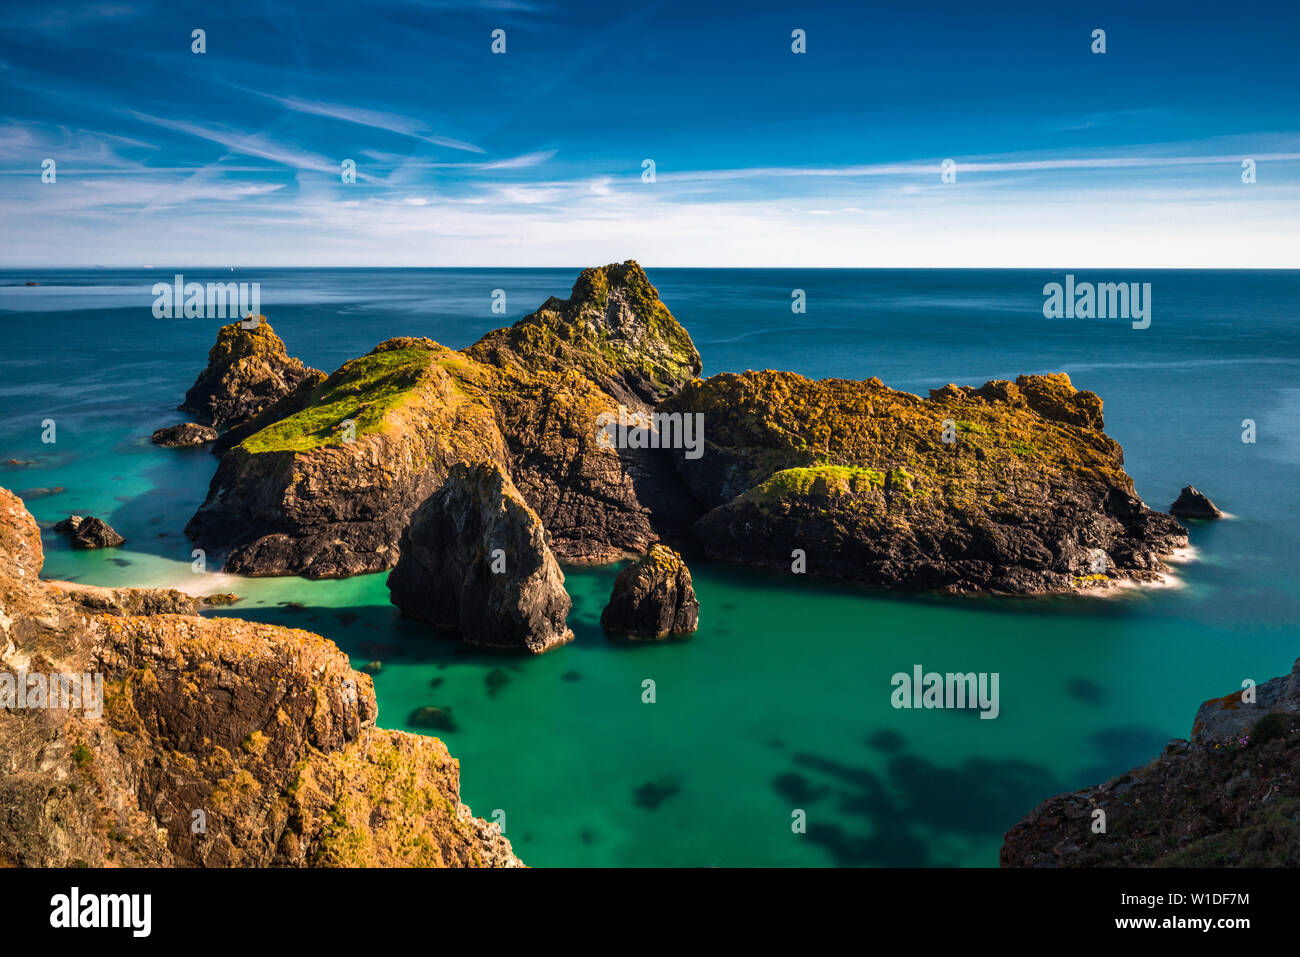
{"x":771,"y":736}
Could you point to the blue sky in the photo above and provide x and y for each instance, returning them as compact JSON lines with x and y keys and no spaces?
{"x":762,"y":157}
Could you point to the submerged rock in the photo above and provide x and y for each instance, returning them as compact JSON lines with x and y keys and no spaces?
{"x":434,"y":719}
{"x":185,"y":434}
{"x":88,"y":532}
{"x":248,"y":369}
{"x":653,"y":598}
{"x":1194,"y":504}
{"x":476,"y":560}
{"x":265,"y":730}
{"x":1226,"y":798}
{"x":44,"y":492}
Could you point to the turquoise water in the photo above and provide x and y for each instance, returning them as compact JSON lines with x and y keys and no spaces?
{"x":782,"y":700}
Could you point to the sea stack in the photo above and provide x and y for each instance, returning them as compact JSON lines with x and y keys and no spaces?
{"x":476,"y":560}
{"x":1005,"y":488}
{"x":653,"y":598}
{"x":1194,"y":504}
{"x":248,"y":369}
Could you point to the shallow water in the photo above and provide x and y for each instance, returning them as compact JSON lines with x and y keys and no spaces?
{"x":782,"y":700}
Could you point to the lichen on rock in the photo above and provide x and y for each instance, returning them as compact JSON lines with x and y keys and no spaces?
{"x":218,"y":742}
{"x":1010,"y":487}
{"x":248,"y":369}
{"x":322,"y":482}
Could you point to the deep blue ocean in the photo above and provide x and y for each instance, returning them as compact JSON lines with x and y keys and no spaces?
{"x":781,"y":702}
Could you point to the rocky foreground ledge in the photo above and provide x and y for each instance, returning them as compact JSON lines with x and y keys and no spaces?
{"x":215,"y":742}
{"x":1227,"y":797}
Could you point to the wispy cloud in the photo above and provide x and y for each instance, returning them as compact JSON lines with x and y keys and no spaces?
{"x":375,"y":119}
{"x":245,"y":144}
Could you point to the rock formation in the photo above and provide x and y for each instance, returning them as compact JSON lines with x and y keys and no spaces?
{"x":323,"y":482}
{"x":248,"y":370}
{"x":476,"y":560}
{"x":215,"y":742}
{"x":653,"y":598}
{"x":88,"y":532}
{"x":1194,"y":504}
{"x":1011,"y":487}
{"x":185,"y":434}
{"x":1228,"y":797}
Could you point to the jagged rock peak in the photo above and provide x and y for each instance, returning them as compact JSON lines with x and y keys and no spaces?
{"x":248,"y":369}
{"x":613,"y":329}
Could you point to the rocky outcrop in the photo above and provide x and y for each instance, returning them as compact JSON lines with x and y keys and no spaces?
{"x":88,"y":532}
{"x":183,"y":435}
{"x":327,"y":491}
{"x":1011,"y":487}
{"x":1228,"y":797}
{"x":612,"y":330}
{"x":476,"y":560}
{"x":211,"y":742}
{"x":653,"y":598}
{"x":323,"y":482}
{"x":248,"y":369}
{"x":1194,"y":504}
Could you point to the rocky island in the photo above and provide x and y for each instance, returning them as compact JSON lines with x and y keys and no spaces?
{"x":1008,"y":488}
{"x":180,"y":740}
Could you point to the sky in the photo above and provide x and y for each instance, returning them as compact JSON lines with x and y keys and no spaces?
{"x":1062,"y":157}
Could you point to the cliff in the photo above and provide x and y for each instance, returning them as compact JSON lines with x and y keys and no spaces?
{"x":1227,"y":797}
{"x":216,"y":742}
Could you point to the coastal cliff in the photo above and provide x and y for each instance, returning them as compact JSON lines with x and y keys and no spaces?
{"x":215,"y":741}
{"x":1229,"y":796}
